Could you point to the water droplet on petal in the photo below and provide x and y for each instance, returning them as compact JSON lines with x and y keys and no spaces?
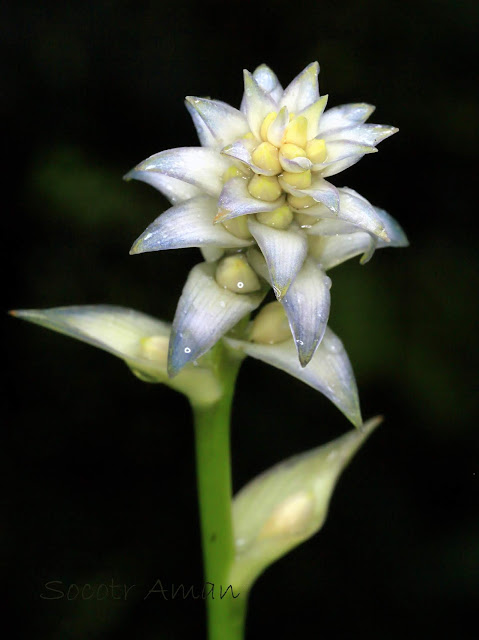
{"x":300,"y":342}
{"x":240,"y":285}
{"x":187,"y":350}
{"x":148,"y":236}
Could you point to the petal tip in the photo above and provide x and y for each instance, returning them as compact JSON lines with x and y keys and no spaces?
{"x":220,"y":216}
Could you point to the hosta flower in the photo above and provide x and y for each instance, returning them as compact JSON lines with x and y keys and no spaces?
{"x":255,"y":199}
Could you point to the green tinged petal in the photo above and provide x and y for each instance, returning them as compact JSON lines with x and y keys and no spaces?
{"x":136,"y":338}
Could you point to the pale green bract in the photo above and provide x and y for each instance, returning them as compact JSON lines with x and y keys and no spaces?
{"x":288,"y":504}
{"x":142,"y":342}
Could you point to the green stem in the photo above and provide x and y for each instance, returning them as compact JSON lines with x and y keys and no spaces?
{"x":213,"y":465}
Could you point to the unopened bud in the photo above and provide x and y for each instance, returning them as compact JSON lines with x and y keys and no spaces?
{"x":270,"y":325}
{"x":238,"y":227}
{"x":266,"y":123}
{"x":304,"y":220}
{"x":265,"y":156}
{"x":155,"y":348}
{"x":296,"y":131}
{"x":316,"y":151}
{"x":291,"y":518}
{"x":235,"y":274}
{"x":264,"y":188}
{"x":297,"y":202}
{"x":299,"y":180}
{"x":280,"y":218}
{"x":232,"y":172}
{"x":292,"y":151}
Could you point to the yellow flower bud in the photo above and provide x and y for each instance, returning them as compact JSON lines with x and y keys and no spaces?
{"x":316,"y":151}
{"x":155,"y":348}
{"x":280,"y":218}
{"x":266,"y":157}
{"x":292,"y":151}
{"x":296,"y":202}
{"x":264,"y":188}
{"x":304,"y":220}
{"x":235,"y":274}
{"x":296,"y":132}
{"x":292,"y":517}
{"x":270,"y":325}
{"x":299,"y":180}
{"x":232,"y":172}
{"x":238,"y":227}
{"x":266,"y":123}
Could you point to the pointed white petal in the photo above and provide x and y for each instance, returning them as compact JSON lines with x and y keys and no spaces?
{"x":313,"y":114}
{"x":329,"y":251}
{"x":175,"y":190}
{"x":117,"y":330}
{"x":278,"y":127}
{"x":242,"y":150}
{"x":204,"y":314}
{"x":235,"y":200}
{"x":364,"y":134}
{"x":307,"y":305}
{"x":393,"y":230}
{"x":357,"y":210}
{"x":287,"y":504}
{"x":198,"y":166}
{"x":345,"y":116}
{"x":205,"y":135}
{"x":217,"y":122}
{"x":268,"y":81}
{"x":257,"y":103}
{"x":284,"y":251}
{"x":341,"y":155}
{"x":138,"y":339}
{"x":330,"y":227}
{"x":187,"y":225}
{"x":295,"y":165}
{"x":329,"y":371}
{"x":303,"y":90}
{"x":320,"y":190}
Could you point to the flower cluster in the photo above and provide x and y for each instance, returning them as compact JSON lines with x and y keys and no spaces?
{"x":255,"y":199}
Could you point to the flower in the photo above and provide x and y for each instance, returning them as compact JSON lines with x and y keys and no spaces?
{"x":255,"y":199}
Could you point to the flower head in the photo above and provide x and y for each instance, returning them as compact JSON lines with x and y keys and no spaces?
{"x":255,"y":199}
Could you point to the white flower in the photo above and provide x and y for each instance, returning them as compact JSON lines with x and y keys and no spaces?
{"x":259,"y":181}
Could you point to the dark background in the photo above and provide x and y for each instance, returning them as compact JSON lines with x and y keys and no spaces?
{"x":99,"y":469}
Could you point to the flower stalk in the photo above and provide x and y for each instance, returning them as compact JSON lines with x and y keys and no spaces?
{"x":226,"y":606}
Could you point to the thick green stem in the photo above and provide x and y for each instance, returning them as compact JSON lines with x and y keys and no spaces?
{"x":226,"y":608}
